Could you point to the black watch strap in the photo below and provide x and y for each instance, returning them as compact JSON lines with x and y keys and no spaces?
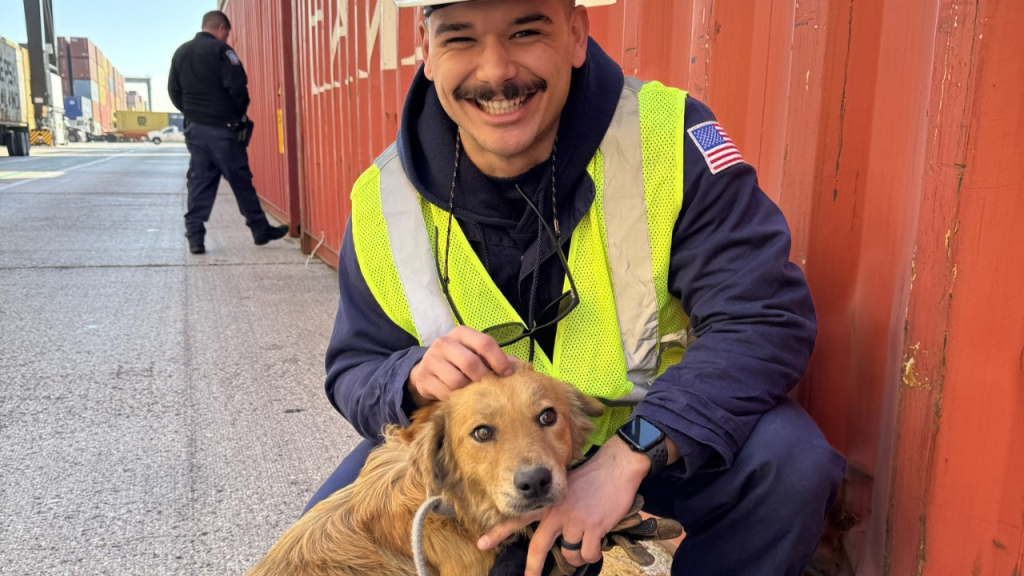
{"x":658,"y":456}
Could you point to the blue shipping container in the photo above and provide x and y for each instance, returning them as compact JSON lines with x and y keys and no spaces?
{"x":73,"y":107}
{"x":76,"y":107}
{"x":177,"y":120}
{"x":85,"y":88}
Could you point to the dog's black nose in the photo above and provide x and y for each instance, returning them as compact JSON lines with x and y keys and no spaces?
{"x":533,"y":482}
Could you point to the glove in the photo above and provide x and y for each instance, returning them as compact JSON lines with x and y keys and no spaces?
{"x":627,"y":534}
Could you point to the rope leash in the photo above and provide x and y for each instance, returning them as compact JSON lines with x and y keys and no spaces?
{"x":438,"y":506}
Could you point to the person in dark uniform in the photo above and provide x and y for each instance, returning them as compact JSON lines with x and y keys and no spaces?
{"x":209,"y":85}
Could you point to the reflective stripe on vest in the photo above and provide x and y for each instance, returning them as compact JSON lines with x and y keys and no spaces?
{"x":638,"y":178}
{"x":629,"y":251}
{"x":410,"y":249}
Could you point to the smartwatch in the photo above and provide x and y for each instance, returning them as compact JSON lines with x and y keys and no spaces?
{"x":646,"y":438}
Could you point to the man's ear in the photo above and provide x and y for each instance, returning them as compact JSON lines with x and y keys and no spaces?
{"x":580,"y":35}
{"x":424,"y":32}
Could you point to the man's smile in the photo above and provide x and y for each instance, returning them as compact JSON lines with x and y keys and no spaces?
{"x":496,"y":107}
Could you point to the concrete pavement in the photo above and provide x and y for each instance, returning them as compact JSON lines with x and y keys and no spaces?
{"x":160,"y":413}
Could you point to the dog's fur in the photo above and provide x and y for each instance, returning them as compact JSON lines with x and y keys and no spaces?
{"x":364,"y":529}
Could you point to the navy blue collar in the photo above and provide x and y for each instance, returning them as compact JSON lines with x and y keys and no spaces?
{"x":426,"y":145}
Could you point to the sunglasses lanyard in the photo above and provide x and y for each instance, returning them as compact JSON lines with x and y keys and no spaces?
{"x":540,"y":235}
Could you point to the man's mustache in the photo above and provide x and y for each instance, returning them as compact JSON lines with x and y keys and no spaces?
{"x":511,"y":90}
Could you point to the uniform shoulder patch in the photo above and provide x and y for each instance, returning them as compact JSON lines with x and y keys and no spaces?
{"x":233,"y":57}
{"x":716,"y":146}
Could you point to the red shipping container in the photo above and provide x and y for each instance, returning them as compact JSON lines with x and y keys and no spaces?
{"x":83,"y":69}
{"x":262,"y":37}
{"x":890,"y":134}
{"x":82,"y":48}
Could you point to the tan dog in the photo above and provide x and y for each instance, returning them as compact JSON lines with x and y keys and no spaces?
{"x":494,"y":450}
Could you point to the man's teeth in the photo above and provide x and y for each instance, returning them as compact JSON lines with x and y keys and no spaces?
{"x":501,"y":106}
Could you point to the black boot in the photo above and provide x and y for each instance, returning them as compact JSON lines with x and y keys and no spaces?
{"x":271,"y":233}
{"x":195,"y":245}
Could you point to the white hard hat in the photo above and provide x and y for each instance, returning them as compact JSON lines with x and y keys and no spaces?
{"x":415,"y":3}
{"x":427,"y":4}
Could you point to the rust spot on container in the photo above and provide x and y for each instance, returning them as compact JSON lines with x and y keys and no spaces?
{"x":910,"y":379}
{"x":976,"y":568}
{"x":842,"y":100}
{"x":998,"y":544}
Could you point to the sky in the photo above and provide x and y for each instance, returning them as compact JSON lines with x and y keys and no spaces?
{"x":137,"y":37}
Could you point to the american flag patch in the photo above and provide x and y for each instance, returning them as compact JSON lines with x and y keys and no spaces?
{"x":716,"y":146}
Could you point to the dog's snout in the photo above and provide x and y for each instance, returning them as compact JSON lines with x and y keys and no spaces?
{"x":533,"y":482}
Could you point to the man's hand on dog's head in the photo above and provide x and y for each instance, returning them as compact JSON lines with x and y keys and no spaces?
{"x":453,"y":361}
{"x":600,"y":494}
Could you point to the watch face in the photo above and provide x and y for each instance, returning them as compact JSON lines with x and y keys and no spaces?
{"x":642,"y":433}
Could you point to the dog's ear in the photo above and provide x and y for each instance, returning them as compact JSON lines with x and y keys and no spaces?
{"x":431,"y":450}
{"x":582,"y":408}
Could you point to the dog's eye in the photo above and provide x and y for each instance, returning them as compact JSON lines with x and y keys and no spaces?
{"x":482,"y":433}
{"x":548,"y":417}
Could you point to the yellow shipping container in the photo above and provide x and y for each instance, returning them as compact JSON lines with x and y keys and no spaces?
{"x":27,"y":106}
{"x":129,"y":121}
{"x":23,"y":78}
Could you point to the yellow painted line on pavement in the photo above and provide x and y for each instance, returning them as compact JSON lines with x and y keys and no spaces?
{"x":28,"y":174}
{"x":106,"y":159}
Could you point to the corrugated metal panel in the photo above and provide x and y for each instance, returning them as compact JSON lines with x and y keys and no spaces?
{"x":257,"y":37}
{"x":867,"y":123}
{"x":890,"y":134}
{"x":354,"y":65}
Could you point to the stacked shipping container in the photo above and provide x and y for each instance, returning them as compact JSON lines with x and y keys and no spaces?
{"x":135,"y":101}
{"x":64,"y":63}
{"x":15,"y":86}
{"x":91,"y":75}
{"x":888,"y":132}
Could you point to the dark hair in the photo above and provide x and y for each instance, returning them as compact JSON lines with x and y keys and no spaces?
{"x":428,"y":9}
{"x":215,"y":18}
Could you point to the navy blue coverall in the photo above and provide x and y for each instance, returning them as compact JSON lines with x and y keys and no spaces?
{"x":755,"y":475}
{"x":209,"y":85}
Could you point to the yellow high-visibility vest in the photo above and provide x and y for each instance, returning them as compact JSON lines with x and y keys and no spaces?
{"x":628,"y":328}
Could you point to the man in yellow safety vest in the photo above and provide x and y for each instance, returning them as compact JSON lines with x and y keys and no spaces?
{"x":538,"y":204}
